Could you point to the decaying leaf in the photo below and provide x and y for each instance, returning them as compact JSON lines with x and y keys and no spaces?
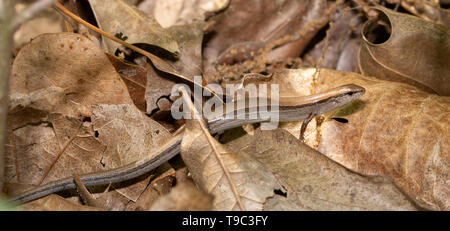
{"x":403,"y":48}
{"x":72,"y":113}
{"x":311,"y":181}
{"x":401,"y":132}
{"x":129,"y":23}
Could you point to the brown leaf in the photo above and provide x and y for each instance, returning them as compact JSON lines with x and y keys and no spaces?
{"x":236,"y":181}
{"x":64,"y":73}
{"x":72,"y":113}
{"x":161,"y":184}
{"x":48,"y":21}
{"x":121,"y":19}
{"x":242,"y":31}
{"x":55,"y":203}
{"x":181,"y":12}
{"x":403,"y":48}
{"x":135,"y":77}
{"x":426,"y":9}
{"x":311,"y":181}
{"x":339,"y":49}
{"x":185,"y":196}
{"x":189,"y":38}
{"x":401,"y":132}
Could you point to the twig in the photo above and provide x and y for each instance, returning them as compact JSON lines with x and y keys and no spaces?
{"x":31,"y":11}
{"x":85,"y":195}
{"x":60,"y":153}
{"x":6,"y":43}
{"x":65,"y":11}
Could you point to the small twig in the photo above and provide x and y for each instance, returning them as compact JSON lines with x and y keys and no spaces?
{"x":84,"y":194}
{"x":64,"y":10}
{"x":31,"y":11}
{"x":60,"y":153}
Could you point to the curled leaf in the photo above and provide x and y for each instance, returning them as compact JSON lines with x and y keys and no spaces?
{"x":403,"y":48}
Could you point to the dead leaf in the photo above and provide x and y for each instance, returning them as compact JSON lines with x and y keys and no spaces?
{"x":121,"y":19}
{"x":48,"y":21}
{"x":236,"y":181}
{"x":162,"y":183}
{"x":242,"y":31}
{"x":166,"y":12}
{"x":181,"y":12}
{"x":64,"y":73}
{"x":401,"y":132}
{"x":55,"y":203}
{"x":135,"y":77}
{"x":311,"y":181}
{"x":426,"y":9}
{"x":339,"y":49}
{"x":185,"y":196}
{"x":82,"y":113}
{"x":403,"y":48}
{"x":189,"y":38}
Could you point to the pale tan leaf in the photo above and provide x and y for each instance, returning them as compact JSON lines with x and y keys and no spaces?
{"x":185,"y":196}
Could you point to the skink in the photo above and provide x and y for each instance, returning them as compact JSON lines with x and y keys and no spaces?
{"x":290,"y":109}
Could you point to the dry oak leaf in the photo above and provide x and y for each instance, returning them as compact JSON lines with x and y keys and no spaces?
{"x":311,"y":181}
{"x":236,"y":181}
{"x":401,"y":132}
{"x":403,"y":48}
{"x":121,"y":19}
{"x":66,"y":94}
